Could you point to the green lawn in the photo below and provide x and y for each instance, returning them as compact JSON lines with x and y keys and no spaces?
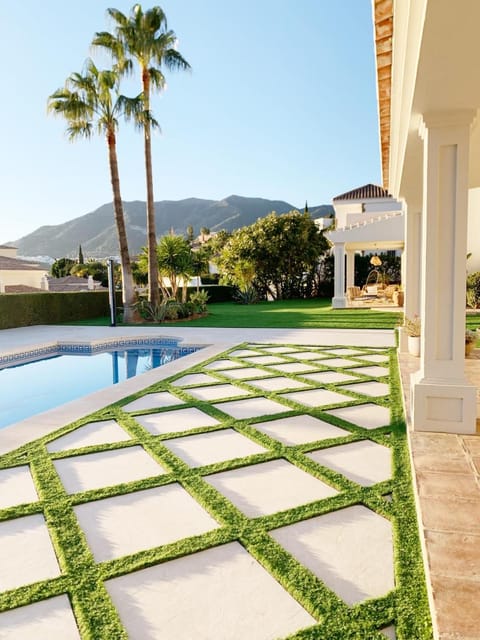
{"x":298,"y":314}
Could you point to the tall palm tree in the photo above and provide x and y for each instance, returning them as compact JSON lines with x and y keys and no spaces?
{"x":144,"y":37}
{"x":91,"y":102}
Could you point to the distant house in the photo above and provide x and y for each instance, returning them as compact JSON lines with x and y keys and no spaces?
{"x":72,"y":283}
{"x":367,"y":219}
{"x":15,"y":272}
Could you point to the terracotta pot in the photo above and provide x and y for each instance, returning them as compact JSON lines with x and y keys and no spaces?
{"x":398,"y":298}
{"x":469,"y":347}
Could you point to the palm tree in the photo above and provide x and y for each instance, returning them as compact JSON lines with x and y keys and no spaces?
{"x":88,"y":102}
{"x":145,"y":38}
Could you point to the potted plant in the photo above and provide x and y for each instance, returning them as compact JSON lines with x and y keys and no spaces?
{"x":470,"y":341}
{"x":412,"y":328}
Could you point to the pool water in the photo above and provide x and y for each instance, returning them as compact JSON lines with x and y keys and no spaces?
{"x":28,"y":389}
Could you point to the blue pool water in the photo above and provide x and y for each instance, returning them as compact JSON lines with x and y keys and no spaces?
{"x":28,"y":389}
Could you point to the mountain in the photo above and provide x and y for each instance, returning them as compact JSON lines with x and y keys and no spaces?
{"x":97,"y":234}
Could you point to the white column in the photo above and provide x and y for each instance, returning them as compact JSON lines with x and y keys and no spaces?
{"x":442,"y":399}
{"x":411,"y":269}
{"x":339,"y":301}
{"x":350,"y":268}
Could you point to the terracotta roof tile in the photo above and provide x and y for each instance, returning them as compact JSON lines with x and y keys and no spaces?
{"x":14,"y":264}
{"x":364,"y":193}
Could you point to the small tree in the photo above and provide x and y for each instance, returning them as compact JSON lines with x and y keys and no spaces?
{"x":62,"y":267}
{"x":190,"y":234}
{"x":80,"y":255}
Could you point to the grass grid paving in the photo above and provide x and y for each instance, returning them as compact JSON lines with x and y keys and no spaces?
{"x":83,"y":579}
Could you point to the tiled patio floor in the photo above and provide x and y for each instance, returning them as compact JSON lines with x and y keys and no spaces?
{"x":447,"y":479}
{"x":161,"y":473}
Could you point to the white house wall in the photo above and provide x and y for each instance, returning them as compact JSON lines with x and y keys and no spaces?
{"x":22,"y":277}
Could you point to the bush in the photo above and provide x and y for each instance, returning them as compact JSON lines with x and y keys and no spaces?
{"x":199,"y":301}
{"x":27,"y":309}
{"x":473,"y":290}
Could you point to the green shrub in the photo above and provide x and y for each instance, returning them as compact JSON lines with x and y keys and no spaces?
{"x":199,"y":301}
{"x":27,"y":309}
{"x":473,"y":290}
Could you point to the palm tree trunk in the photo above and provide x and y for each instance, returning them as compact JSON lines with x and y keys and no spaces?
{"x":153,"y":288}
{"x":128,"y":291}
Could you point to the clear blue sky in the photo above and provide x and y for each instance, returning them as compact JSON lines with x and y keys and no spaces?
{"x":280,"y":103}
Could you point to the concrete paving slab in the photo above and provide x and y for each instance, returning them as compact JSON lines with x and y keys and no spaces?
{"x":295,"y":367}
{"x":374,"y":389}
{"x":52,"y":619}
{"x":368,"y":416}
{"x":175,"y":420}
{"x":300,"y":429}
{"x":153,"y":401}
{"x":246,"y":372}
{"x":223,"y":364}
{"x":263,"y":489}
{"x":351,"y":550}
{"x":26,"y":552}
{"x":217,"y":392}
{"x":316,"y":397}
{"x":344,"y":351}
{"x":278,"y":384}
{"x":16,"y":487}
{"x":363,"y":462}
{"x":375,"y":357}
{"x":278,"y":349}
{"x":249,"y":603}
{"x":243,"y":353}
{"x":194,"y":378}
{"x":251,"y":408}
{"x":93,"y":433}
{"x":337,"y":362}
{"x":105,"y":469}
{"x":216,"y":446}
{"x":389,"y":632}
{"x":308,"y":355}
{"x":329,"y":377}
{"x":266,"y":360}
{"x":373,"y":371}
{"x":122,"y":525}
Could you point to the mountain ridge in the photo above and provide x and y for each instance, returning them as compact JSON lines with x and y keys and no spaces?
{"x":97,"y":234}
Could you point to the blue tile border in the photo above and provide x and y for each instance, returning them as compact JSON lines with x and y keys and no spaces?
{"x":98,"y":347}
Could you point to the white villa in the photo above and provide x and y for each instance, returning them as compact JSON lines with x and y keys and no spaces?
{"x":367,"y":219}
{"x":19,"y":275}
{"x":429,"y":101}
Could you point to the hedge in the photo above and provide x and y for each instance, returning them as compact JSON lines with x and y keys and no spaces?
{"x":26,"y":309}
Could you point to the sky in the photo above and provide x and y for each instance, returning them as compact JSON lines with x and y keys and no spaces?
{"x":280,"y":103}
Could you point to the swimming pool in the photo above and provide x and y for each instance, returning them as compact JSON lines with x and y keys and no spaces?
{"x":68,"y":372}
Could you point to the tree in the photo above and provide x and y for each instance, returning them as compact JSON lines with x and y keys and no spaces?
{"x":278,"y":255}
{"x":199,"y":264}
{"x":145,"y":38}
{"x":80,"y":255}
{"x":190,"y":234}
{"x":204,"y":231}
{"x":91,"y":102}
{"x":174,"y":261}
{"x":62,"y":267}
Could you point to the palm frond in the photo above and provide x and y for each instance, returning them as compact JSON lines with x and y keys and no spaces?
{"x":79,"y":129}
{"x":157,"y":78}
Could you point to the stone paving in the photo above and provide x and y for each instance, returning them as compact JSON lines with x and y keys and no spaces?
{"x":447,"y":481}
{"x":279,"y":451}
